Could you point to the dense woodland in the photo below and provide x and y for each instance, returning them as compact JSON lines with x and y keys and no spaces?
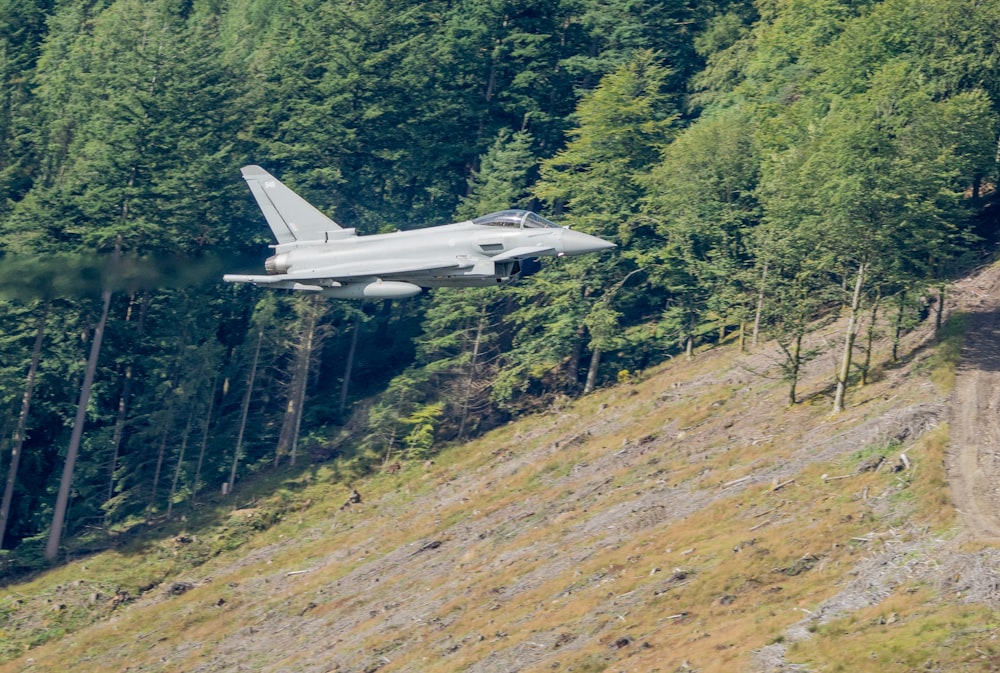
{"x":761,"y":165}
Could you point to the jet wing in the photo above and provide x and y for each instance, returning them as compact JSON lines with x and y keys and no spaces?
{"x":350,"y":272}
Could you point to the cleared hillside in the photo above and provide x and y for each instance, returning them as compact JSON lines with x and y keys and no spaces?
{"x":688,"y":520}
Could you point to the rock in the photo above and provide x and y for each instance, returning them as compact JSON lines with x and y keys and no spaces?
{"x":178,"y":588}
{"x":871,"y":464}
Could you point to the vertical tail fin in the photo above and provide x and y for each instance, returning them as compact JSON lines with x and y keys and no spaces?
{"x":290,"y":217}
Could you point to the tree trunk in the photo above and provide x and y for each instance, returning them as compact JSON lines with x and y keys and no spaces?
{"x":62,"y":499}
{"x":180,"y":461}
{"x":122,"y":414}
{"x":573,"y":366}
{"x":473,"y":369}
{"x":22,"y":422}
{"x":595,"y":363}
{"x":348,"y":368}
{"x":689,"y":347}
{"x":870,"y":339}
{"x":300,"y":401}
{"x":289,"y":436}
{"x":845,"y":365}
{"x":794,"y":366}
{"x":898,"y":330}
{"x":204,"y":440}
{"x":939,"y":317}
{"x":760,"y":307}
{"x":245,"y":412}
{"x":159,"y":465}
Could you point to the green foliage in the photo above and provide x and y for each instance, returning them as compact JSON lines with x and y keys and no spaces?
{"x":503,"y":177}
{"x":621,"y":128}
{"x":420,"y":440}
{"x":702,"y":202}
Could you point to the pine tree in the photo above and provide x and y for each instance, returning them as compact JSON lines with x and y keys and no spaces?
{"x":623,"y":125}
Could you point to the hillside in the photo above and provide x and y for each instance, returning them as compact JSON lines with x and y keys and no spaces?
{"x":688,"y":520}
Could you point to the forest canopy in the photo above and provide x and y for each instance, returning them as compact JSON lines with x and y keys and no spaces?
{"x":759,"y":164}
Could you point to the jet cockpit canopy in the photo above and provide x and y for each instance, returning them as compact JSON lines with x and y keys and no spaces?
{"x":516,"y":219}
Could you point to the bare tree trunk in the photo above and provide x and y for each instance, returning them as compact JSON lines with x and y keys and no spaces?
{"x":473,"y":369}
{"x":204,"y":440}
{"x":303,"y":383}
{"x":246,"y":410}
{"x":180,"y":461}
{"x":345,"y":385}
{"x":22,"y":422}
{"x":595,"y":363}
{"x":760,"y":307}
{"x":573,"y":366}
{"x":845,"y":366}
{"x":795,"y":365}
{"x":159,"y":465}
{"x":870,"y":339}
{"x":123,"y":400}
{"x":62,"y":499}
{"x":898,"y":330}
{"x":939,"y":317}
{"x":689,"y":349}
{"x":289,"y":437}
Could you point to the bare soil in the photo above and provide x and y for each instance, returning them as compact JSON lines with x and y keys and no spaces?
{"x":974,"y":452}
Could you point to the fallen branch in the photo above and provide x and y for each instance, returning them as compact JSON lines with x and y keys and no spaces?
{"x":760,"y":525}
{"x":301,"y":572}
{"x":736,"y":481}
{"x":778,"y":487}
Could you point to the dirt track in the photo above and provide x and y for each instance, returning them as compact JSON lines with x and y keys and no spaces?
{"x":974,"y":454}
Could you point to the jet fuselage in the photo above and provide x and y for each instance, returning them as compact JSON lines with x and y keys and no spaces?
{"x":314,"y":254}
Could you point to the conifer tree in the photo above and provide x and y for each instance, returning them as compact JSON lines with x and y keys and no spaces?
{"x":623,"y":125}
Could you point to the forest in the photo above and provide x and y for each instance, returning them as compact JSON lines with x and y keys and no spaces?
{"x":761,"y":165}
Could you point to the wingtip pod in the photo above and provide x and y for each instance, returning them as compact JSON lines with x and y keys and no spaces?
{"x":237,"y":278}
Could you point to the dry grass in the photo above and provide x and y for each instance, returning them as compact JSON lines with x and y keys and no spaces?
{"x":689,"y":518}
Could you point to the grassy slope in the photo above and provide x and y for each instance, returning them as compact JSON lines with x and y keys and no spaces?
{"x":637,"y":529}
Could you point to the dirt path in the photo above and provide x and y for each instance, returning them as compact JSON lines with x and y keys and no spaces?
{"x":974,"y":454}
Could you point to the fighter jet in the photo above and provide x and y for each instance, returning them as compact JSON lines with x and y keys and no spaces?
{"x":315,"y":254}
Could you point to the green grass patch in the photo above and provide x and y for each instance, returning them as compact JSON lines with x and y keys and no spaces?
{"x":944,"y":362}
{"x":909,"y":632}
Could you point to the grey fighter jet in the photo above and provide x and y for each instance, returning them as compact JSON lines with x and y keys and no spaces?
{"x":315,"y":254}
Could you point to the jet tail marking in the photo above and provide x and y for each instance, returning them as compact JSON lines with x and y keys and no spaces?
{"x":290,"y":217}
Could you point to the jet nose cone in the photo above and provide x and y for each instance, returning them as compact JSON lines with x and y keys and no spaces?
{"x":578,"y":243}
